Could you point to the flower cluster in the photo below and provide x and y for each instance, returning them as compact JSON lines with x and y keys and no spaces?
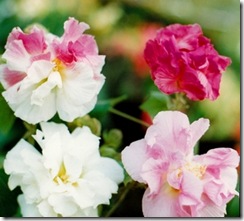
{"x":179,"y":183}
{"x":45,"y":74}
{"x":70,"y":177}
{"x":183,"y":60}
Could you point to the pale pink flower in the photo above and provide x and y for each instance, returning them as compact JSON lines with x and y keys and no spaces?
{"x":181,"y":59}
{"x":179,"y":183}
{"x":45,"y":74}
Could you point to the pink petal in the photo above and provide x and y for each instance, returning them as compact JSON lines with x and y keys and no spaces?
{"x":163,"y":204}
{"x":222,"y":157}
{"x":170,"y":130}
{"x":73,"y":30}
{"x":191,"y":191}
{"x":17,"y":57}
{"x":211,"y":210}
{"x":154,"y":173}
{"x":10,"y":77}
{"x":85,"y":45}
{"x":133,"y":158}
{"x":198,"y":128}
{"x":186,"y":35}
{"x":34,"y":42}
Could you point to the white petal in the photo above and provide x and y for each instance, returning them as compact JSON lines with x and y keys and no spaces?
{"x":14,"y":163}
{"x":111,"y":169}
{"x":45,"y":209}
{"x":28,"y":210}
{"x":39,"y":71}
{"x":45,"y":89}
{"x":19,"y":100}
{"x":62,"y":204}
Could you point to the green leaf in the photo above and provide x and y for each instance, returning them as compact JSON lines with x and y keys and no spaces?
{"x":156,"y":102}
{"x":233,"y":207}
{"x":108,"y":152}
{"x":2,"y":157}
{"x":8,"y":198}
{"x":103,"y":106}
{"x":127,"y":178}
{"x":113,"y":138}
{"x":7,"y":117}
{"x":88,"y":121}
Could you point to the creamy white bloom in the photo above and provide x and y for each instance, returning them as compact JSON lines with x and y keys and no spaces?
{"x":69,"y":178}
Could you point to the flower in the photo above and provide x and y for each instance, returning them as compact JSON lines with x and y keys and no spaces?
{"x":45,"y":74}
{"x":181,"y":184}
{"x":68,"y":179}
{"x":181,"y":59}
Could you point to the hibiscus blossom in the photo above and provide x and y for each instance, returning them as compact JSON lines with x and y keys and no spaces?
{"x":68,"y":179}
{"x":181,"y":184}
{"x":183,"y":60}
{"x":45,"y":74}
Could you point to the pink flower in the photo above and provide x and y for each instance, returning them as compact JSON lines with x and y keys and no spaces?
{"x":45,"y":74}
{"x":179,"y":183}
{"x":181,"y":59}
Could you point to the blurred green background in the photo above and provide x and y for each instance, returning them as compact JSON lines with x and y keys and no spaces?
{"x":121,"y":29}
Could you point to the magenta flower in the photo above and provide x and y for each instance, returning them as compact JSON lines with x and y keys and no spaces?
{"x":179,"y":183}
{"x":45,"y":74}
{"x":181,"y":59}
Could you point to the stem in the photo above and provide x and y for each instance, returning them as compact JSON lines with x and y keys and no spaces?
{"x":179,"y":102}
{"x":128,"y":117}
{"x":121,"y":198}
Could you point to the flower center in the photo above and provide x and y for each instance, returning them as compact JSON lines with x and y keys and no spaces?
{"x":59,"y":67}
{"x":197,"y":169}
{"x":61,"y":176}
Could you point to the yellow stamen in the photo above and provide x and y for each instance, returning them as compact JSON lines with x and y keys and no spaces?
{"x":61,"y":175}
{"x":59,"y":66}
{"x":197,"y":169}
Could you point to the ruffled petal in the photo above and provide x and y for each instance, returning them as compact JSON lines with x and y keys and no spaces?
{"x":28,"y":210}
{"x":170,"y":130}
{"x":198,"y":128}
{"x":132,"y":164}
{"x":163,"y":204}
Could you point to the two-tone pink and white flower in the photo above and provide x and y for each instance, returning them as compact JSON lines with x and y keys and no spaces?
{"x":68,"y":179}
{"x":45,"y":74}
{"x":181,"y":184}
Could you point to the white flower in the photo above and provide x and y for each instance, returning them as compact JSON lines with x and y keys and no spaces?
{"x":69,"y":178}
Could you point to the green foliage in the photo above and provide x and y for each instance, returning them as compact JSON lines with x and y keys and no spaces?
{"x":156,"y":102}
{"x":112,"y":141}
{"x":113,"y":138}
{"x":233,"y":207}
{"x":7,"y":117}
{"x":31,"y":129}
{"x":8,"y":199}
{"x":102,"y":106}
{"x":88,"y":121}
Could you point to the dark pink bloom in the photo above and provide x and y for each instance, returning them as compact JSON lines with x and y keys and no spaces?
{"x":181,"y":59}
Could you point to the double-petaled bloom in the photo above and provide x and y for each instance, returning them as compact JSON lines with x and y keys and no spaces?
{"x":179,"y":183}
{"x":45,"y":74}
{"x":182,"y":60}
{"x":68,"y":179}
